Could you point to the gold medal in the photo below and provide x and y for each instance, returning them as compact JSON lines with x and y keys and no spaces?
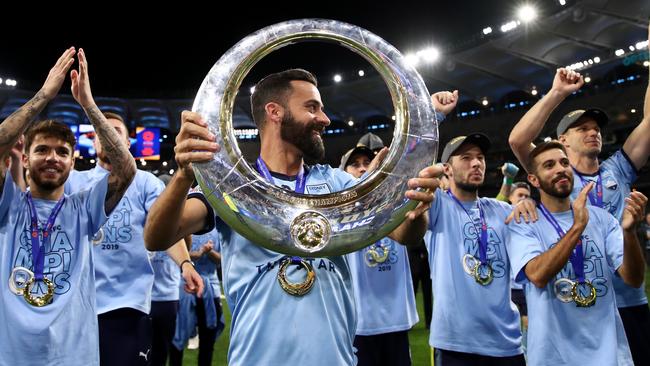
{"x":373,"y":257}
{"x":297,"y":288}
{"x":38,"y":301}
{"x":483,"y":274}
{"x":580,"y":288}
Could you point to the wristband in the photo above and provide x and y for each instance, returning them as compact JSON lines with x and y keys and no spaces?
{"x":185,"y":261}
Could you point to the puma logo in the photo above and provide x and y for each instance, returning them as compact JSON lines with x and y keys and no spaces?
{"x":145,"y":355}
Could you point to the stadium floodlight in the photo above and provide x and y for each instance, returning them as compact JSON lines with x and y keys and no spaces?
{"x":252,"y":89}
{"x":350,"y":123}
{"x":509,"y":26}
{"x":587,"y":79}
{"x":562,"y":2}
{"x":337,"y":78}
{"x":429,"y":55}
{"x":412,"y":59}
{"x":646,"y":63}
{"x":164,"y":163}
{"x":527,"y":13}
{"x":641,"y":45}
{"x":361,"y":73}
{"x":632,"y":110}
{"x":619,"y":52}
{"x":485,"y":102}
{"x":534,"y":91}
{"x":596,"y":59}
{"x":487,"y":30}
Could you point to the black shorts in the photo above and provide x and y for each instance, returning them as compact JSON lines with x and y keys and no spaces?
{"x":636,"y":320}
{"x":519,"y":299}
{"x":452,"y":358}
{"x":124,"y":338}
{"x":390,"y":349}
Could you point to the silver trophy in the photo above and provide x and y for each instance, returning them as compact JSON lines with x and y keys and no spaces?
{"x":304,"y":224}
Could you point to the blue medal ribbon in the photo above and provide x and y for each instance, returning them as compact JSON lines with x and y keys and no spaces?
{"x":598,"y":200}
{"x":483,"y":238}
{"x":300,"y":178}
{"x":38,"y":251}
{"x":577,"y":257}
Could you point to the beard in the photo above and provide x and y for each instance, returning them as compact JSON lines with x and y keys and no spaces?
{"x":301,"y":136}
{"x":551,"y":190}
{"x":467,"y":187}
{"x":48,"y":185}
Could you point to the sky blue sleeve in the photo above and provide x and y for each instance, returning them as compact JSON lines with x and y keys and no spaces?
{"x":613,"y":241}
{"x":620,"y":163}
{"x":95,"y":200}
{"x":522,"y":245}
{"x":153,"y":188}
{"x":10,"y":191}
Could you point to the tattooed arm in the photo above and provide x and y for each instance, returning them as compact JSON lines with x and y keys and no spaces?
{"x":122,"y":163}
{"x":17,"y":123}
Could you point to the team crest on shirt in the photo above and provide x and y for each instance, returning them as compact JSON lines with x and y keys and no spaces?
{"x":322,"y":188}
{"x":611,"y":184}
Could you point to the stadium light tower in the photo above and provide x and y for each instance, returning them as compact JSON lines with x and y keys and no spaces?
{"x":527,"y":13}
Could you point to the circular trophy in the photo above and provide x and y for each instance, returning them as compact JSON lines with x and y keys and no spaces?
{"x":303,"y":224}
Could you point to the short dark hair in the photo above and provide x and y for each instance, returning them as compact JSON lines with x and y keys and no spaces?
{"x":111,"y":115}
{"x":544,"y":146}
{"x":276,"y":88}
{"x":49,"y":128}
{"x":517,"y":185}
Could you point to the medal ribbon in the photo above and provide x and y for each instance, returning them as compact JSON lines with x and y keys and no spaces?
{"x":300,"y":178}
{"x":483,"y":238}
{"x":598,"y":200}
{"x":38,"y":251}
{"x":576,"y":257}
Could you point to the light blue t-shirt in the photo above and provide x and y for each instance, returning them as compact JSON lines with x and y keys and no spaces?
{"x":204,"y":265}
{"x":65,"y":331}
{"x":468,"y":317}
{"x":561,"y":333}
{"x":617,"y":173}
{"x":383,"y":292}
{"x":167,"y":277}
{"x":271,"y":327}
{"x":123,"y":272}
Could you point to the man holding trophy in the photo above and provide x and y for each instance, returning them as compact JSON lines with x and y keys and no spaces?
{"x":309,"y":321}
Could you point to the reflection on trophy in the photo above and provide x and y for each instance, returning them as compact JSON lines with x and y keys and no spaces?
{"x":306,"y":224}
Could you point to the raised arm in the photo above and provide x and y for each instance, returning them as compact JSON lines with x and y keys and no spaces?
{"x":632,"y":271}
{"x":545,"y":266}
{"x":412,"y":230}
{"x":13,"y":127}
{"x":637,"y":145}
{"x":531,"y":124}
{"x":173,"y":216}
{"x":122,"y":163}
